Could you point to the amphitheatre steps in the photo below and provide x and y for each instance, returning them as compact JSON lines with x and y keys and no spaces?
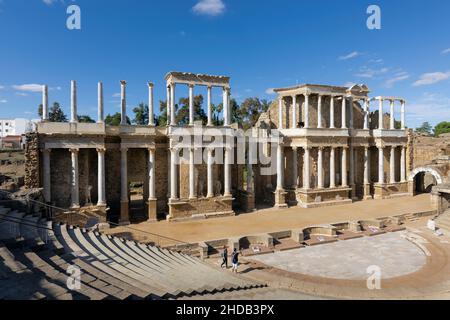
{"x":36,"y":254}
{"x":443,"y":221}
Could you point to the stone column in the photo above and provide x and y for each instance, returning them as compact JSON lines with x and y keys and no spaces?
{"x":124,"y":213}
{"x":332,"y":167}
{"x":210,"y":115}
{"x":319,"y":112}
{"x":380,"y":114}
{"x":168,"y":105}
{"x":294,"y":167}
{"x":101,"y":177}
{"x":249,"y":172}
{"x":191,"y":105}
{"x":351,"y":113}
{"x":306,"y":169}
{"x":366,"y":166}
{"x":47,"y":175}
{"x":280,"y":167}
{"x":226,"y":117}
{"x":392,"y":165}
{"x":344,"y":114}
{"x":380,"y":165}
{"x":210,"y":178}
{"x":151,"y":108}
{"x":366,"y":114}
{"x":173,"y":174}
{"x":403,"y":165}
{"x":75,"y":178}
{"x":392,"y":115}
{"x":352,"y":166}
{"x":280,"y":113}
{"x":192,"y":193}
{"x":100,"y":110}
{"x":403,"y":115}
{"x":227,"y":174}
{"x":320,"y":168}
{"x":344,"y":167}
{"x":294,"y":111}
{"x":172,"y":105}
{"x":44,"y":103}
{"x":306,"y":110}
{"x":152,"y":201}
{"x":332,"y":112}
{"x":123,"y":103}
{"x":73,"y":102}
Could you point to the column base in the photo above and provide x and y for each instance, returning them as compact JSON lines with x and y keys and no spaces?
{"x":391,"y":190}
{"x":280,"y":198}
{"x":248,"y":204}
{"x":367,"y":192}
{"x":124,"y":213}
{"x":152,"y":210}
{"x":75,"y":206}
{"x":353,"y":195}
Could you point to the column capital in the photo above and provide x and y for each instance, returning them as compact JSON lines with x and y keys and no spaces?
{"x":308,"y":148}
{"x":294,"y":148}
{"x":151,"y":149}
{"x":123,"y":149}
{"x":46,"y":150}
{"x":345,"y":147}
{"x":190,"y":85}
{"x":150,"y":84}
{"x":74,"y":150}
{"x":123,"y":82}
{"x":101,"y":150}
{"x":321,"y":148}
{"x":209,"y":87}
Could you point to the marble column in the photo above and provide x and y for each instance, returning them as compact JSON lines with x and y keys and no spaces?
{"x":380,"y":165}
{"x":380,"y":113}
{"x":73,"y":102}
{"x":249,"y":172}
{"x":403,"y":124}
{"x":210,"y":113}
{"x":152,"y":201}
{"x":45,"y":103}
{"x":192,"y":193}
{"x":392,"y":116}
{"x":392,"y":165}
{"x":344,"y":167}
{"x":294,"y":167}
{"x":168,"y":105}
{"x":403,"y":165}
{"x":124,"y":211}
{"x":191,"y":105}
{"x":294,"y":111}
{"x":306,"y":169}
{"x":280,"y":167}
{"x":75,"y":190}
{"x":319,"y":111}
{"x":306,"y":110}
{"x":280,"y":113}
{"x":101,"y":177}
{"x":173,"y":174}
{"x":123,"y":103}
{"x":332,"y":167}
{"x":227,"y":174}
{"x":351,"y":168}
{"x":210,"y":177}
{"x":351,"y":113}
{"x":100,"y":109}
{"x":172,"y":105}
{"x":320,"y":183}
{"x":47,"y":175}
{"x":366,"y":166}
{"x":226,"y":116}
{"x":344,"y":114}
{"x":332,"y":126}
{"x":366,"y":114}
{"x":151,"y":108}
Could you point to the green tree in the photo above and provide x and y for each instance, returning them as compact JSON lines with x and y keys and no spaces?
{"x":424,"y":128}
{"x":141,"y":114}
{"x":55,"y":114}
{"x":251,"y":109}
{"x":162,"y":119}
{"x":114,"y":120}
{"x":442,"y":127}
{"x":85,"y":119}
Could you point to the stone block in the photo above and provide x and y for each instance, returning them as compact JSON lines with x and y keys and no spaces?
{"x":297,"y":235}
{"x":152,"y":210}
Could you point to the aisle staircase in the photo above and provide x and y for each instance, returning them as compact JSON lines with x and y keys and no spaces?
{"x":443,"y":220}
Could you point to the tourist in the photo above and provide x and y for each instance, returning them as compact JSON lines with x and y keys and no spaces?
{"x":224,"y":258}
{"x":235,"y":260}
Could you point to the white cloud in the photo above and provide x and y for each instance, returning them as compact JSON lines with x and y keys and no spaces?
{"x":209,"y":7}
{"x":2,"y":87}
{"x":446,"y":51}
{"x":351,"y":55}
{"x":431,"y":78}
{"x":418,"y":111}
{"x":28,"y":87}
{"x":116,"y":95}
{"x":49,"y":2}
{"x":349,"y":84}
{"x":401,"y":76}
{"x":22,"y":94}
{"x":270,"y":91}
{"x":3,"y":101}
{"x":370,"y":73}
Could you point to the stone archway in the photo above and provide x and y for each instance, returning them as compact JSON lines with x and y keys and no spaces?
{"x":417,"y":179}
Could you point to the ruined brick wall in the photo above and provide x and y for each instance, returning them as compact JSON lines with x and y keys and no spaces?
{"x":60,"y":177}
{"x":32,"y":161}
{"x":427,"y":149}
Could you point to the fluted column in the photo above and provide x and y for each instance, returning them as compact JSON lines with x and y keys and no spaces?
{"x":320,"y":168}
{"x":73,"y":102}
{"x":44,"y":103}
{"x":366,"y":114}
{"x":100,"y":109}
{"x":294,"y":111}
{"x":380,"y":165}
{"x":226,"y":115}
{"x":210,"y":114}
{"x":172,"y":105}
{"x":392,"y":116}
{"x":168,"y":105}
{"x":332,"y":167}
{"x":123,"y":103}
{"x":173,"y":174}
{"x":101,"y":177}
{"x":295,"y":167}
{"x":210,"y":174}
{"x":280,"y":113}
{"x":227,"y":174}
{"x":344,"y":167}
{"x":332,"y":126}
{"x":191,"y":104}
{"x":344,"y":114}
{"x":366,"y":166}
{"x":380,"y":113}
{"x":192,"y":193}
{"x":306,"y":169}
{"x":403,"y":124}
{"x":75,"y":190}
{"x":151,"y":174}
{"x":280,"y":167}
{"x":392,"y":165}
{"x":319,"y":111}
{"x":151,"y":108}
{"x":47,"y":175}
{"x":403,"y":165}
{"x":306,"y":110}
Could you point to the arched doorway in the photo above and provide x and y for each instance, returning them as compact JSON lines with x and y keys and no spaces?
{"x":424,"y":179}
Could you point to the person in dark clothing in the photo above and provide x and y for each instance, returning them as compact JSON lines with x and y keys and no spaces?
{"x":235,"y":260}
{"x":224,"y":258}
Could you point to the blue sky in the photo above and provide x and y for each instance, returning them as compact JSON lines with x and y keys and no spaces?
{"x":260,"y":44}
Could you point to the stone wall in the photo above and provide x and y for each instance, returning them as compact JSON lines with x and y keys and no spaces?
{"x":32,"y":161}
{"x":426,"y":149}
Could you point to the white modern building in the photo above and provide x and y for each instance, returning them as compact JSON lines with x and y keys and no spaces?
{"x":16,"y":127}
